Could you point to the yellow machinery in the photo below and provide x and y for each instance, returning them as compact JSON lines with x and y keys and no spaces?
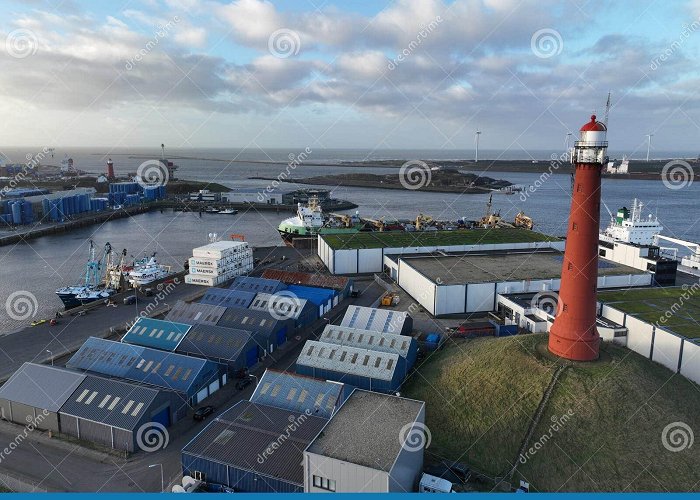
{"x":524,"y":221}
{"x":390,"y":299}
{"x":422,"y":221}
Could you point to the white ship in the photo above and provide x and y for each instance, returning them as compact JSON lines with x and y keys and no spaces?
{"x":148,"y":272}
{"x":632,"y":239}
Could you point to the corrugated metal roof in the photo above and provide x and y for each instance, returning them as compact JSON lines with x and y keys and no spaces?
{"x":142,"y":364}
{"x":367,"y":339}
{"x":367,"y":430}
{"x":41,"y":386}
{"x":316,"y":295}
{"x":112,"y":402}
{"x":156,"y":333}
{"x":227,"y":298}
{"x":253,"y":284}
{"x":215,"y":342}
{"x":284,"y":304}
{"x":298,"y":393}
{"x":242,"y":438}
{"x":194,"y":314}
{"x":344,"y":359}
{"x":370,"y":318}
{"x":321,"y":280}
{"x":249,"y":319}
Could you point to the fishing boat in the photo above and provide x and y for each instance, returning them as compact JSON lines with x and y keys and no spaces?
{"x":229,"y":211}
{"x":76,"y":295}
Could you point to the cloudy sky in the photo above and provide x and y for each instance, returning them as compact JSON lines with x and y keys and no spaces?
{"x":341,"y":74}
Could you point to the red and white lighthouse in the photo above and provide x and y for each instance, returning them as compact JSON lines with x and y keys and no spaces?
{"x":110,"y":169}
{"x":574,"y":335}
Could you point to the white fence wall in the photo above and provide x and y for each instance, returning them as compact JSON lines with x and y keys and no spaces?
{"x":673,"y":351}
{"x":417,"y":286}
{"x":690,"y":362}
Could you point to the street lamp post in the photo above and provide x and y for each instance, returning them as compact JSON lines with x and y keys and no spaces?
{"x":50,"y":354}
{"x":162,"y":480}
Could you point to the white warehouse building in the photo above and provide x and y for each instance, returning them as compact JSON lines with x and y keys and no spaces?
{"x":373,"y":444}
{"x":472,"y":282}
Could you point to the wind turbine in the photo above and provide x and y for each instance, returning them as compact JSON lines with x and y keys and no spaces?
{"x":476,"y":139}
{"x":649,"y":136}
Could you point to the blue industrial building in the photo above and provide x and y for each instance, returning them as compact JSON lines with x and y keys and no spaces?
{"x":156,"y":333}
{"x":403,"y":345}
{"x":192,"y":313}
{"x":362,"y":368}
{"x":257,"y":285}
{"x":267,"y":331}
{"x":235,"y":451}
{"x":227,"y":297}
{"x":298,"y":393}
{"x":285,"y":304}
{"x":237,"y":349}
{"x":192,"y":379}
{"x":322,"y":298}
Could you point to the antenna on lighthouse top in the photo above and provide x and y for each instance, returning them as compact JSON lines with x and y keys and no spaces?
{"x":607,"y":110}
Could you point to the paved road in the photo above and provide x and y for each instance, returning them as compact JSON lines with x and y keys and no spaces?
{"x":57,"y":465}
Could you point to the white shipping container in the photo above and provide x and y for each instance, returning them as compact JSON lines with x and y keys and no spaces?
{"x":219,"y":263}
{"x":231,"y":269}
{"x":221,"y":249}
{"x":198,"y":279}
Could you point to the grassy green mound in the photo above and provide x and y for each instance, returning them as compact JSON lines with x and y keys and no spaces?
{"x":602,"y":429}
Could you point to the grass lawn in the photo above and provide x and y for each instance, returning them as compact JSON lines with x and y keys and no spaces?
{"x":482,"y":394}
{"x":480,"y":397}
{"x":400,"y":239}
{"x":652,"y":304}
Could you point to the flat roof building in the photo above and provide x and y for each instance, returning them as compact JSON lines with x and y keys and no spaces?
{"x":252,"y":448}
{"x":257,"y":285}
{"x":373,"y":444}
{"x":378,"y":320}
{"x":363,"y":368}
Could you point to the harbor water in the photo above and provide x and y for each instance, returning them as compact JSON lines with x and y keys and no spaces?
{"x":41,"y":265}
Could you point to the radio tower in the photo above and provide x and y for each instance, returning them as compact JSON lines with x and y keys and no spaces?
{"x":574,"y":335}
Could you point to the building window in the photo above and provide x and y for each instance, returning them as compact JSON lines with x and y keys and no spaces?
{"x":324,"y":484}
{"x":575,"y":226}
{"x":198,"y":475}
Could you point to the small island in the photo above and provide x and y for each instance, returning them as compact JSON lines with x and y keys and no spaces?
{"x":433,"y":178}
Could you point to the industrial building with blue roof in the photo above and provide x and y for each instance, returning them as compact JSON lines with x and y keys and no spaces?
{"x":294,"y":392}
{"x":235,"y":348}
{"x":227,"y":297}
{"x":322,"y":298}
{"x":193,"y":379}
{"x":257,"y":285}
{"x":156,"y":333}
{"x":268,"y":332}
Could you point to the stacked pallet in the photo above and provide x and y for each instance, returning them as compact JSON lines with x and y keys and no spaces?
{"x":215,"y":263}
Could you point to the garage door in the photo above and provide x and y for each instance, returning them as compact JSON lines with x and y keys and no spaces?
{"x":162,"y":417}
{"x":213,"y":387}
{"x":201,"y":395}
{"x":251,"y":357}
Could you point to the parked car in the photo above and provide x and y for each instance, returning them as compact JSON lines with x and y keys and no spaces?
{"x":130,"y":299}
{"x":242,"y":384}
{"x":203,"y":412}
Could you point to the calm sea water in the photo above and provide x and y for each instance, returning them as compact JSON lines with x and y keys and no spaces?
{"x":42,"y":265}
